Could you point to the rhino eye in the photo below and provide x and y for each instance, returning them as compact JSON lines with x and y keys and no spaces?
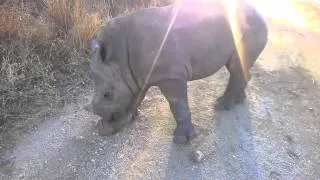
{"x":108,"y":95}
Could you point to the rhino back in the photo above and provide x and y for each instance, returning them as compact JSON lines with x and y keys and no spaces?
{"x":197,"y":45}
{"x":211,"y":43}
{"x":147,"y":30}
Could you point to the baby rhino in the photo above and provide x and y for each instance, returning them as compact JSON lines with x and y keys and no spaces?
{"x":129,"y":55}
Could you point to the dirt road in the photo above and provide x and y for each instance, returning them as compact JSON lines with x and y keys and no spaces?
{"x":274,"y":135}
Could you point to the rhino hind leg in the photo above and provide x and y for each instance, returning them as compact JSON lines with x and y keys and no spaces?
{"x":254,"y":43}
{"x":235,"y":91}
{"x":233,"y":95}
{"x":175,"y":92}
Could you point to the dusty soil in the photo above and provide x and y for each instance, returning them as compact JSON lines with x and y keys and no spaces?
{"x":275,"y":134}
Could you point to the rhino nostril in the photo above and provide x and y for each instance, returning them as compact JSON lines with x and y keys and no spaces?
{"x":115,"y":116}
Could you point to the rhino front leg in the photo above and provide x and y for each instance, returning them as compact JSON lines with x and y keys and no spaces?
{"x":175,"y":92}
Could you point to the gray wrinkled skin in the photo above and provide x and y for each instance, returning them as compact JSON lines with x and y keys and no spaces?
{"x":199,"y":44}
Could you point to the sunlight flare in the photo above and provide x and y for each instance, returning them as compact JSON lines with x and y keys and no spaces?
{"x":156,"y":58}
{"x":234,"y":15}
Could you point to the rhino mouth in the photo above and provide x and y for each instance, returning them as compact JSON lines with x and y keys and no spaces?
{"x":106,"y":126}
{"x":113,"y":124}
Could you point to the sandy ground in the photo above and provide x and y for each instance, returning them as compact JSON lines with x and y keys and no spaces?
{"x":274,"y":135}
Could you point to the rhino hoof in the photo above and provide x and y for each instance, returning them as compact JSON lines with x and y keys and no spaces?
{"x":222,"y":104}
{"x":105,"y":129}
{"x":222,"y":107}
{"x":183,"y":139}
{"x":225,"y":103}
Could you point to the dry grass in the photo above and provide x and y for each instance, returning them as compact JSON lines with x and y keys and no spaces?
{"x":43,"y":54}
{"x":17,"y":24}
{"x":40,"y":66}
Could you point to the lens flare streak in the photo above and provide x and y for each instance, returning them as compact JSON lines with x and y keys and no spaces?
{"x":234,"y":15}
{"x":156,"y":58}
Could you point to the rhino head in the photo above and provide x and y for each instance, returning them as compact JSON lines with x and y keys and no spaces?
{"x":112,"y":97}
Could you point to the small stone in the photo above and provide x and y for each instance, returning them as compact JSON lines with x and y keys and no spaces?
{"x":120,"y":156}
{"x":79,"y":137}
{"x":293,"y":154}
{"x":197,"y":156}
{"x":274,"y":175}
{"x":289,"y":139}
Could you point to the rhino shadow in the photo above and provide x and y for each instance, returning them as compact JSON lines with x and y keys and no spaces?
{"x":228,"y":149}
{"x":225,"y":137}
{"x":234,"y":146}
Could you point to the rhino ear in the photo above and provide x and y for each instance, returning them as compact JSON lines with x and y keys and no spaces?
{"x":99,"y":57}
{"x":101,"y":50}
{"x":96,"y":59}
{"x":98,"y":51}
{"x":94,"y":44}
